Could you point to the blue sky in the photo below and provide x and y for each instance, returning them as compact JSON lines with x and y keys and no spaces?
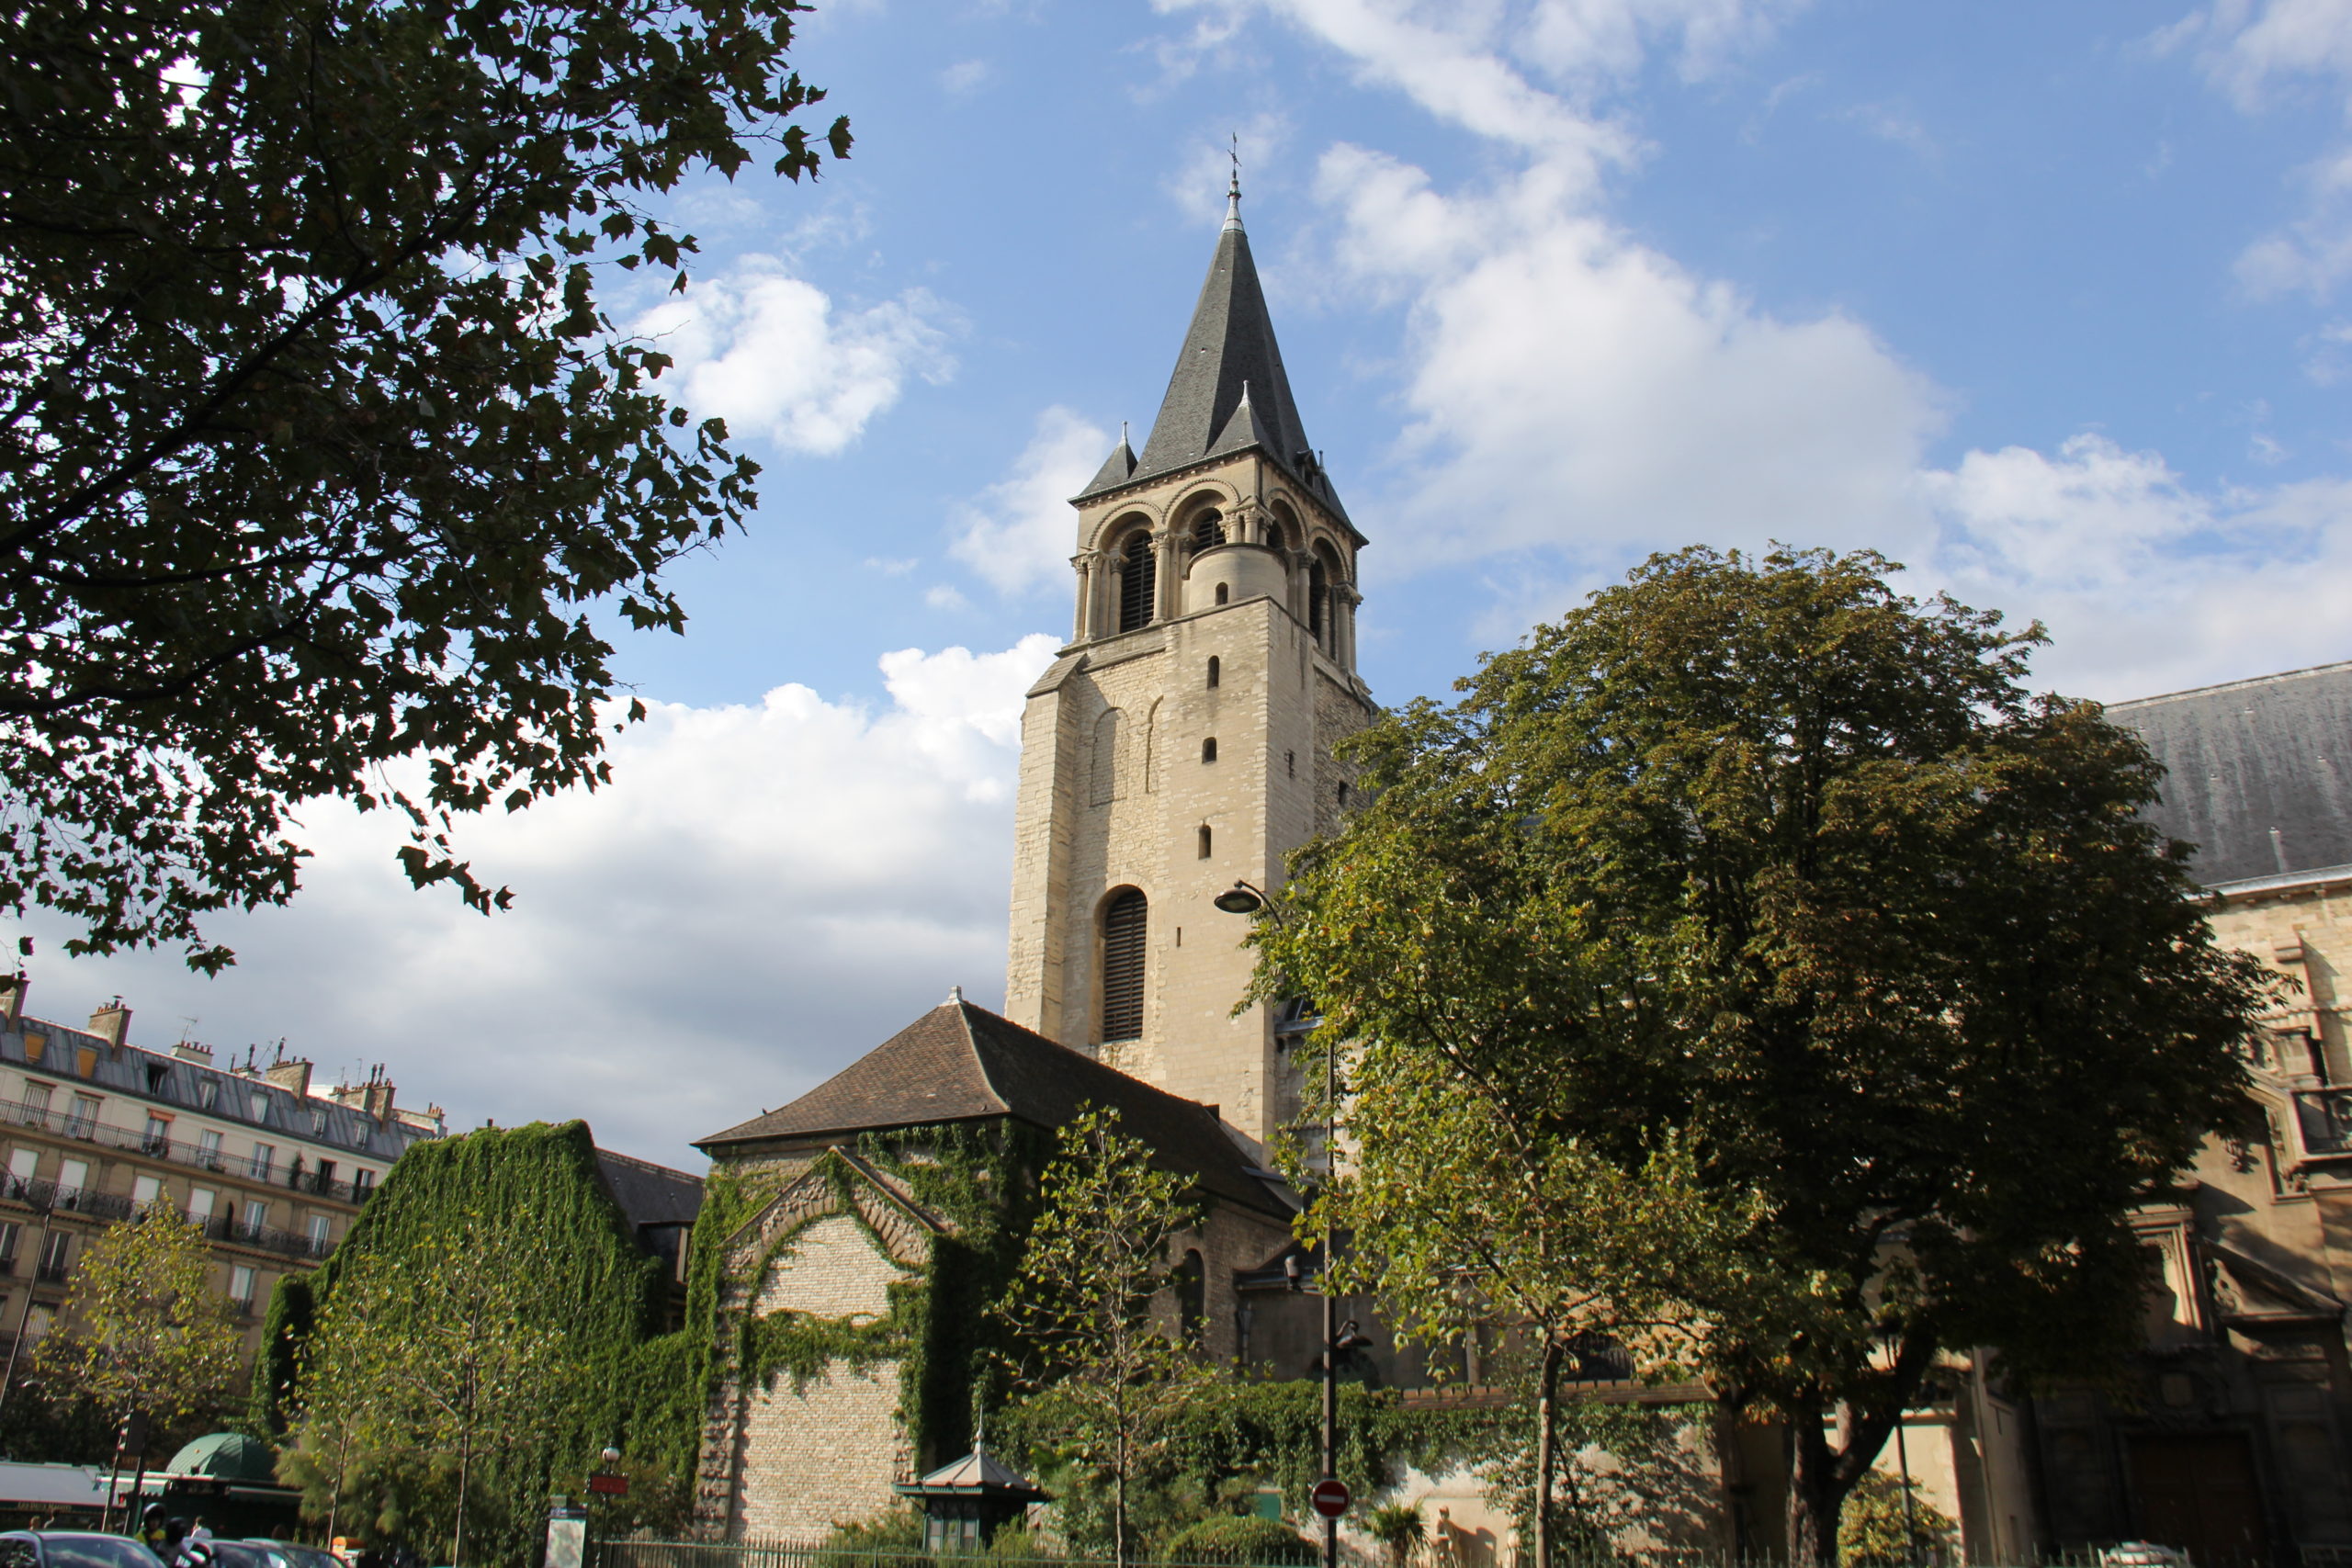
{"x":2044,"y":301}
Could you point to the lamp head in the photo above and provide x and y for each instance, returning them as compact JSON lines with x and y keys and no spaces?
{"x":1239,"y":900}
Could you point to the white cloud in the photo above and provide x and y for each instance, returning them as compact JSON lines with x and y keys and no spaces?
{"x":770,"y":353}
{"x":1569,"y":387}
{"x":965,"y":76}
{"x":1019,"y":534}
{"x":763,"y":893}
{"x":945,"y":596}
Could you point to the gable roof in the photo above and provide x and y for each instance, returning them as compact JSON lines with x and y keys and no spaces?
{"x":1228,"y":391}
{"x":2258,"y":774}
{"x":962,"y":1063}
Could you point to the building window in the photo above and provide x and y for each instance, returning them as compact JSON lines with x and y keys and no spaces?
{"x":36,"y":1047}
{"x":1204,"y":840}
{"x":1138,"y":577}
{"x":257,"y":1215}
{"x":1208,"y":749}
{"x":37,"y":1319}
{"x":208,"y":1147}
{"x":1290,"y":764}
{"x":56,"y":1257}
{"x":264,"y":1158}
{"x":1222,"y":592}
{"x":86,"y":1057}
{"x":319,"y":1234}
{"x":199,"y":1204}
{"x":9,"y":1233}
{"x":1214,"y":670}
{"x":207,"y":1093}
{"x":1344,"y":796}
{"x":158,"y":1137}
{"x":73,"y":1174}
{"x":37,"y":1098}
{"x":362,"y":1181}
{"x":1208,"y":533}
{"x":23,"y":1165}
{"x":146,"y":1190}
{"x":83,"y":1120}
{"x":1124,"y":927}
{"x":241,"y":1287}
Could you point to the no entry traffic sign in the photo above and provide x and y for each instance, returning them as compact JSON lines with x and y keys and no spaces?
{"x":1330,"y":1496}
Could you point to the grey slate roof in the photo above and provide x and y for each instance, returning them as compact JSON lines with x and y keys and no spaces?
{"x":136,"y":1073}
{"x":962,"y":1063}
{"x":1229,"y":348}
{"x":2259,"y":773}
{"x":650,"y":1194}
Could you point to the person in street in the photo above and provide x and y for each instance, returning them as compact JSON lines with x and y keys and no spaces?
{"x":152,"y":1530}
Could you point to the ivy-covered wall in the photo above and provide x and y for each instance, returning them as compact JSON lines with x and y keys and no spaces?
{"x":980,"y":1179}
{"x":626,"y":1385}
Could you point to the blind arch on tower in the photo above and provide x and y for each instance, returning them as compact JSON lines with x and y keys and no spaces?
{"x":1126,"y":921}
{"x":1138,"y":577}
{"x":1104,"y":770}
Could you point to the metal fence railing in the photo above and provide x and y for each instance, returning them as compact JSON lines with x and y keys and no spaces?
{"x":1463,"y":1554}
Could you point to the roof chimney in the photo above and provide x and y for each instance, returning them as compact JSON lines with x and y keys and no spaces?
{"x":379,"y":1102}
{"x":189,"y":1051}
{"x":12,"y":998}
{"x":112,"y":1023}
{"x":290,"y":1074}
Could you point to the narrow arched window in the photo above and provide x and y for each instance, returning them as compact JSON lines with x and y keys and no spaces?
{"x":1343,"y":795}
{"x":1137,"y":577}
{"x":1123,"y":925}
{"x":1318,"y":590}
{"x":1208,"y":749}
{"x":1204,"y":840}
{"x":1190,"y":1279}
{"x":1208,"y":531}
{"x":1213,"y":672}
{"x":1221,"y":592}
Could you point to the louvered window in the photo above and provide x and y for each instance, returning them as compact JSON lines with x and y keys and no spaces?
{"x":1208,"y":533}
{"x":1123,"y":940}
{"x":1136,"y":579}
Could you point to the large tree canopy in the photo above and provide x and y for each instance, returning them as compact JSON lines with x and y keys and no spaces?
{"x":1759,"y":865}
{"x":319,"y":448}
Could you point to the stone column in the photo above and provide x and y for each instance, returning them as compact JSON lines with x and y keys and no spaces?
{"x":1089,"y":580}
{"x":1163,"y":543}
{"x":1110,"y":585}
{"x":1344,"y":594}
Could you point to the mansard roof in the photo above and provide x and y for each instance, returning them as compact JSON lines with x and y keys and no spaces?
{"x":962,"y":1063}
{"x":1228,"y":392}
{"x":2258,"y":774}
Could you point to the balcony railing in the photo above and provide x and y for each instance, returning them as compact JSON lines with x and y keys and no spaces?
{"x":49,"y":1198}
{"x":84,"y":1129}
{"x":2324,"y":1117}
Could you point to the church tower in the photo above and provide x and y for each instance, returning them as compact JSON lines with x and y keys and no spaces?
{"x":1182,"y":741}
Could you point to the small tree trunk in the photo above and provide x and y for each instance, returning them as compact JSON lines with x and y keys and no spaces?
{"x":458,"y":1538}
{"x":1547,"y":1399}
{"x":1817,"y":1492}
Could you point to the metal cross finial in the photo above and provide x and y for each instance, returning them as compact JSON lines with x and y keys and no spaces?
{"x":1233,"y":189}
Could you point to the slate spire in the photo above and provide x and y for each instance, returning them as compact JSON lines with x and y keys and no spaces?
{"x":1228,"y":392}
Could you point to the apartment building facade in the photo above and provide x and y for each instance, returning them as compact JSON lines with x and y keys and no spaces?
{"x":94,"y":1130}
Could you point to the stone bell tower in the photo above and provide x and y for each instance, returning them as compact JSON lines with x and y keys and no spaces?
{"x":1182,"y":741}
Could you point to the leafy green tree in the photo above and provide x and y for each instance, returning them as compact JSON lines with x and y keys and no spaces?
{"x":1106,"y":1379}
{"x":427,"y":1367}
{"x":320,"y":449}
{"x":1756,"y":865}
{"x":1883,"y":1528}
{"x":142,"y":1329}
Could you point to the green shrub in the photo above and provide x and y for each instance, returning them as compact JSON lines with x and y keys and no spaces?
{"x":1870,"y":1531}
{"x":1239,"y":1541}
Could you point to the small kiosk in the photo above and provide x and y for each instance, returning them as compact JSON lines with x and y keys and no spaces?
{"x":965,"y":1503}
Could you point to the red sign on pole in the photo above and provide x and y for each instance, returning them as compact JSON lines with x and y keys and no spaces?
{"x":608,"y":1485}
{"x":1330,"y":1496}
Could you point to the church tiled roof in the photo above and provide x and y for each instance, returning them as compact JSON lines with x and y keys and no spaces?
{"x":1229,"y":391}
{"x":2258,"y":774}
{"x":962,"y":1063}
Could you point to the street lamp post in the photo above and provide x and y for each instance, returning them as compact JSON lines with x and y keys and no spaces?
{"x":1247,"y":898}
